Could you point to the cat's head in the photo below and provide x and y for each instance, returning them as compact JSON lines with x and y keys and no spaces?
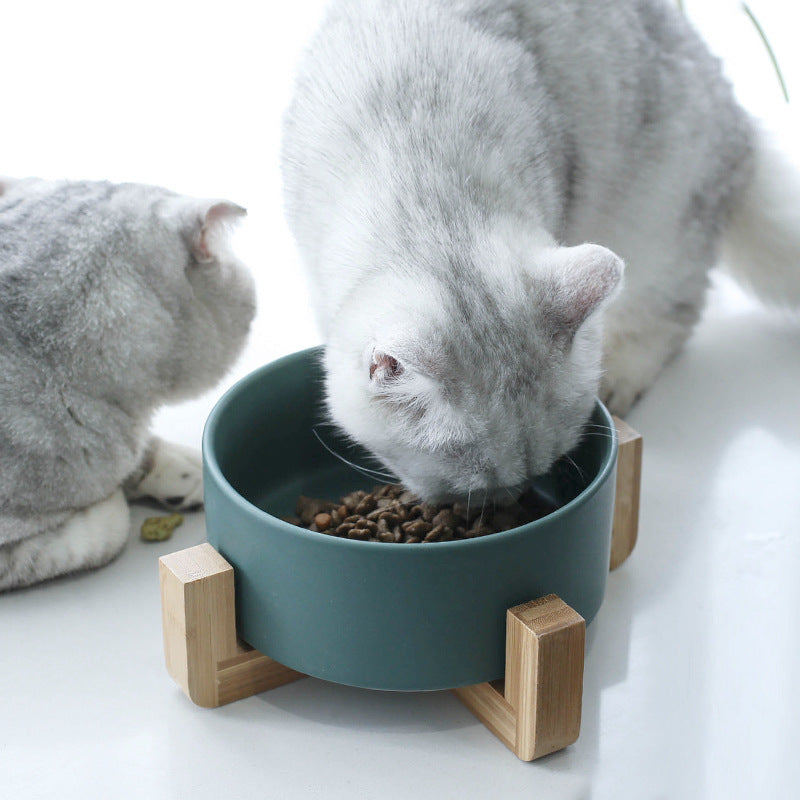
{"x":216,"y":289}
{"x":139,"y":282}
{"x":475,"y":384}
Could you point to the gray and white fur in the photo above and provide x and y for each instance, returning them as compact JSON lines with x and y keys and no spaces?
{"x":114,"y":300}
{"x":466,"y":178}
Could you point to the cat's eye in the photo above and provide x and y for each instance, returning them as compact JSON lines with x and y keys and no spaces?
{"x":390,"y":367}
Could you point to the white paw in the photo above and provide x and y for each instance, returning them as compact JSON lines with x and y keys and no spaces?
{"x":618,"y":398}
{"x":175,"y":479}
{"x":629,"y":370}
{"x":622,"y":385}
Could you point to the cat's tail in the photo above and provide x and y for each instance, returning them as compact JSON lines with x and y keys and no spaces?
{"x":761,"y":247}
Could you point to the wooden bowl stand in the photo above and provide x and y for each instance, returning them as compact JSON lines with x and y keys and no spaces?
{"x":534,"y":711}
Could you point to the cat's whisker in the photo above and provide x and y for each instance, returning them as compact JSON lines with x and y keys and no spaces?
{"x":598,"y":426}
{"x":571,"y":461}
{"x":372,"y":474}
{"x":597,"y":429}
{"x":350,"y":444}
{"x":511,"y":494}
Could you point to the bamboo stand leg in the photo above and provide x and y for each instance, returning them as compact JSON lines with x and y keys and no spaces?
{"x":538,"y":711}
{"x":201,"y":648}
{"x":626,"y":502}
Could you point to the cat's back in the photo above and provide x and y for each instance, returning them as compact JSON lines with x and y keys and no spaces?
{"x":618,"y":60}
{"x":605,"y":88}
{"x":389,"y":88}
{"x":56,"y":238}
{"x":59,"y":279}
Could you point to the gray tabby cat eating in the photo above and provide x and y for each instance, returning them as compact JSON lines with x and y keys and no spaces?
{"x":114,"y":299}
{"x":465,"y":179}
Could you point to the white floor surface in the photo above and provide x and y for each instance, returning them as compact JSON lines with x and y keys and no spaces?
{"x":691,"y":686}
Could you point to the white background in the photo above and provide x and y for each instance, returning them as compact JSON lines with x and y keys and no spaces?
{"x":690,"y":687}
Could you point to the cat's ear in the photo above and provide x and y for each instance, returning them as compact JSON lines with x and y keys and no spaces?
{"x":384,"y":367}
{"x":212,"y":220}
{"x":580,"y":280}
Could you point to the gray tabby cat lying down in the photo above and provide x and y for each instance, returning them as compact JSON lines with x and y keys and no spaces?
{"x":114,"y":299}
{"x":465,"y":179}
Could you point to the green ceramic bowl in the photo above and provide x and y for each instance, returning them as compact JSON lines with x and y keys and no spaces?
{"x":369,"y":614}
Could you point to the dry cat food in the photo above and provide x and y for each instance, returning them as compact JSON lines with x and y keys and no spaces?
{"x":390,"y":513}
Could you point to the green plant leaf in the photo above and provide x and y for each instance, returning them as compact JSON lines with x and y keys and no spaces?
{"x":747,"y":10}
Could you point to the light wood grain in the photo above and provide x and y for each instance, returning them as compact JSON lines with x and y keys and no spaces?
{"x":201,"y":649}
{"x":539,"y":710}
{"x":626,"y":503}
{"x":492,"y":709}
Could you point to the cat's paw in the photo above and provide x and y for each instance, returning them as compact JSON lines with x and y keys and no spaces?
{"x":619,"y":399}
{"x":174,"y":477}
{"x":630,"y":367}
{"x":621,"y":387}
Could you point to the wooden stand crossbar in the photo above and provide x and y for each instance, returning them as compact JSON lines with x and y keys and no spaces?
{"x":536,"y":710}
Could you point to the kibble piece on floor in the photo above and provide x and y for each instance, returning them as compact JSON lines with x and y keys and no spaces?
{"x":159,"y":529}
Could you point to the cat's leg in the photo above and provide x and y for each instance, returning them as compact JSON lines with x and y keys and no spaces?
{"x":89,"y":538}
{"x":170,"y":474}
{"x":641,"y":335}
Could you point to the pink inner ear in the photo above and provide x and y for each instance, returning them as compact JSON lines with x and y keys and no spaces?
{"x":388,"y":365}
{"x":219,"y":213}
{"x":200,"y":248}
